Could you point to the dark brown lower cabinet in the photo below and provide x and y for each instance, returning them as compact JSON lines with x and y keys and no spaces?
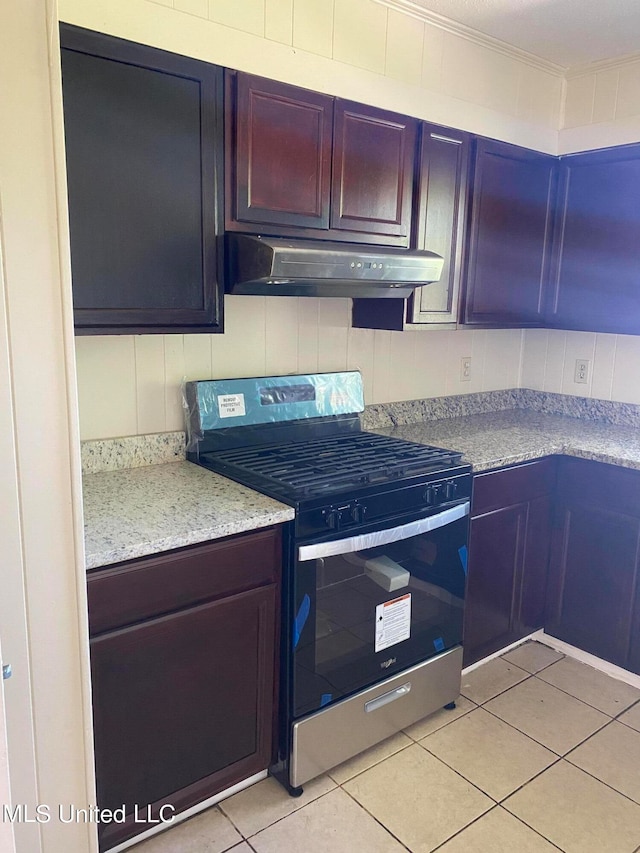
{"x":183,"y":698}
{"x":594,"y":596}
{"x":508,"y":556}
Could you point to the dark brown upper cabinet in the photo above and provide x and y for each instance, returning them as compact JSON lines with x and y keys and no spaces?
{"x":300,"y":163}
{"x":510,"y":229}
{"x":373,"y":167}
{"x":596,"y":269}
{"x":143,"y":132}
{"x":282,"y":154}
{"x":439,"y":227}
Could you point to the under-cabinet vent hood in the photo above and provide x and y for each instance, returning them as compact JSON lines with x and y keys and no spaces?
{"x":275,"y":266}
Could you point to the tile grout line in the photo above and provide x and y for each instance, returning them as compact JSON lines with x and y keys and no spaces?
{"x":379,"y":822}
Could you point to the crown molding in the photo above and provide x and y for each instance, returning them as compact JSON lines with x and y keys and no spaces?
{"x":417,"y":10}
{"x":602,"y":65}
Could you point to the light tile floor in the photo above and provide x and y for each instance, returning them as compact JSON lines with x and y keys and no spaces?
{"x":542,"y":753}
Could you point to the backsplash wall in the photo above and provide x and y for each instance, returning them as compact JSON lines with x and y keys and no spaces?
{"x":549,"y":360}
{"x":131,"y":384}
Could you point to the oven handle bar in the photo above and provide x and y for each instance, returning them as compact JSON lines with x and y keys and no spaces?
{"x":382,"y":537}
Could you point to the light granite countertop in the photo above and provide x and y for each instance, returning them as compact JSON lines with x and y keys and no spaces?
{"x":146,"y":510}
{"x":496,"y":439}
{"x":139,"y":511}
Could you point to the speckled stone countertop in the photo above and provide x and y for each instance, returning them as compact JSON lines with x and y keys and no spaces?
{"x":157,"y":507}
{"x":495,"y":439}
{"x":140,"y":511}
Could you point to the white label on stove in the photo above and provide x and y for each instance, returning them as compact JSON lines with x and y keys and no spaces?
{"x":231,"y":405}
{"x":393,"y":622}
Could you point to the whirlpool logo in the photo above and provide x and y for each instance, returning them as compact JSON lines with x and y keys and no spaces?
{"x":387,"y":663}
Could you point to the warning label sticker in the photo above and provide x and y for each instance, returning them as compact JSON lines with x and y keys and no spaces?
{"x":231,"y":405}
{"x":393,"y":622}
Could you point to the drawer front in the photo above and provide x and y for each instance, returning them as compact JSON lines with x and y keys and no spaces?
{"x":139,"y":589}
{"x":598,"y":484}
{"x":515,"y":485}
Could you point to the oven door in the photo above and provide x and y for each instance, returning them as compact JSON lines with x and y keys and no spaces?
{"x":370,"y":605}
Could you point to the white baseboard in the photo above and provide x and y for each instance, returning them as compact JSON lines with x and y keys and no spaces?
{"x":596,"y":662}
{"x":570,"y":651}
{"x":537,"y":635}
{"x":200,"y":807}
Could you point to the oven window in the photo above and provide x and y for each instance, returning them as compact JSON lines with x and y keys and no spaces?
{"x":361,"y":617}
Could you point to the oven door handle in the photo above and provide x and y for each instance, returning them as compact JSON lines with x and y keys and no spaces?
{"x":382,"y":537}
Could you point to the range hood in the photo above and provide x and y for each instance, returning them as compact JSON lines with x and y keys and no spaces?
{"x":276,"y":266}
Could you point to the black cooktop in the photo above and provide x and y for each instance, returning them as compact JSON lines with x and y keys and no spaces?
{"x":322,"y":466}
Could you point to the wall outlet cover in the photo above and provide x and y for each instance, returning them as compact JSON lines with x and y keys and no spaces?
{"x":581,"y":375}
{"x":465,"y":368}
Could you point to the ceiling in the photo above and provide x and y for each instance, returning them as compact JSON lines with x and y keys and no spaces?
{"x":565,"y":32}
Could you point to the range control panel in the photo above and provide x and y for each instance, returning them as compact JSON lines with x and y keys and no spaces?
{"x":350,"y":514}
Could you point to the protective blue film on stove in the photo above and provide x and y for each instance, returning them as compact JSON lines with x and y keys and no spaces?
{"x":224,"y":403}
{"x":325,"y":699}
{"x":301,"y":617}
{"x":438,"y":644}
{"x":462,"y":553}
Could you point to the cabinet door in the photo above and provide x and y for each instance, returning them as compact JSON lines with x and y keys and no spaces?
{"x":509,"y":235}
{"x":496,"y":555}
{"x":595,"y":558}
{"x":439,"y":228}
{"x":282,"y":154}
{"x":508,"y":556}
{"x":596,"y":281}
{"x":373,"y":166}
{"x":183,"y":703}
{"x":143,"y":137}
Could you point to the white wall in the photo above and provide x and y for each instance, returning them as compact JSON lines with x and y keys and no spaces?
{"x":131,"y":384}
{"x":357,"y":49}
{"x":549,"y":357}
{"x":602,"y":106}
{"x":43,"y":599}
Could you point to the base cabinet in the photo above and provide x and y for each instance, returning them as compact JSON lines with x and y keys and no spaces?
{"x":594,"y":600}
{"x":508,"y":556}
{"x":183,"y":701}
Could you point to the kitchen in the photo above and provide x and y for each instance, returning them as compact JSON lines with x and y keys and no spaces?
{"x":130,"y":385}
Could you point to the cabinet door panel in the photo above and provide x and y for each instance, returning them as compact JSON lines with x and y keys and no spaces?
{"x":532,"y":608}
{"x":373,"y":162}
{"x":440,"y":228}
{"x":282,"y":154}
{"x":597,"y":253}
{"x":510,"y":233}
{"x":496,"y":548}
{"x":592,"y":576}
{"x":183,"y":697}
{"x":143,"y":145}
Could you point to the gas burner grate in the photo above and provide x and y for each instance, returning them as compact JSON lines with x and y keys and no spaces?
{"x":328,"y":464}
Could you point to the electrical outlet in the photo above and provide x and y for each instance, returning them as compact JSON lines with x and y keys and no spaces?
{"x":581,"y":374}
{"x":465,"y":369}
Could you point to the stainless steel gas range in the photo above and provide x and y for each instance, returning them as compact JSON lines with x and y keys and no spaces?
{"x":375,"y":561}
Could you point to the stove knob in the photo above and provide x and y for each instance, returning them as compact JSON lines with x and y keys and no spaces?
{"x":433,"y":494}
{"x":331,"y":518}
{"x":358,"y":513}
{"x":451,"y":490}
